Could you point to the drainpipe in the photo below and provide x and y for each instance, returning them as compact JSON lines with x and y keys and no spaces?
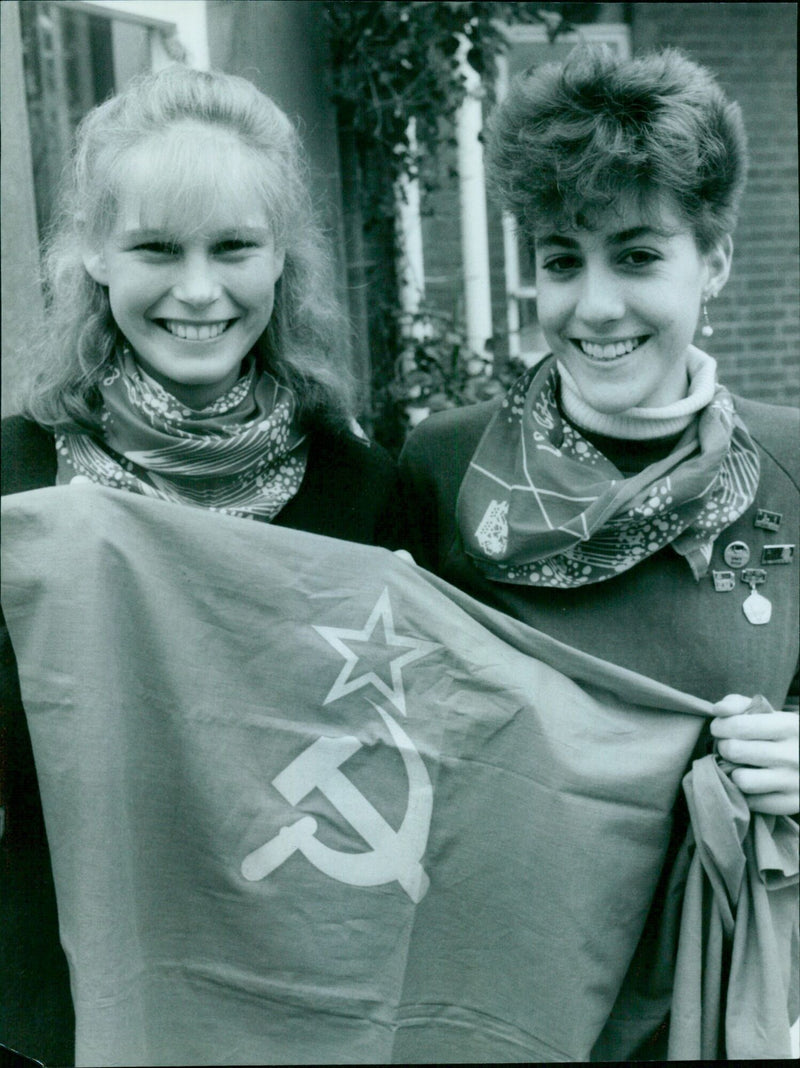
{"x":411,"y":262}
{"x":474,"y":221}
{"x":411,"y":272}
{"x":511,"y":259}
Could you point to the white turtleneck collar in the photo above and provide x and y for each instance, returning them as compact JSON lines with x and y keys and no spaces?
{"x":638,"y":424}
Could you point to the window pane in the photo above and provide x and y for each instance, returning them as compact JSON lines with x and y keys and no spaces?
{"x":72,"y":61}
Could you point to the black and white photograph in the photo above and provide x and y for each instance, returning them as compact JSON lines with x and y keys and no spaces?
{"x":400,"y":490}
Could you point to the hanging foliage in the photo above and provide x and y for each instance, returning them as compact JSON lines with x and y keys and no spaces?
{"x":393,"y":62}
{"x":397,"y":61}
{"x":437,"y":369}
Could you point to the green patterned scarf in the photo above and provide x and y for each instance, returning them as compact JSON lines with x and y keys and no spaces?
{"x":541,"y":506}
{"x":242,"y":455}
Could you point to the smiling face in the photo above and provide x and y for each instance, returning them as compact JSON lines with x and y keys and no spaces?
{"x":619,"y":303}
{"x":191,"y":295}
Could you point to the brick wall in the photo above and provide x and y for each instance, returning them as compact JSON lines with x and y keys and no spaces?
{"x":751,"y":48}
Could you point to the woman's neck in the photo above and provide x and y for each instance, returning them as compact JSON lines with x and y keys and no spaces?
{"x":196,"y":397}
{"x":639,"y":424}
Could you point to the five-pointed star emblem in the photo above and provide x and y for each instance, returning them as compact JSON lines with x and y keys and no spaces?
{"x":414,"y":648}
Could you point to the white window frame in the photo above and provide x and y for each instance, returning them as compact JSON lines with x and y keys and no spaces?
{"x":178,"y":28}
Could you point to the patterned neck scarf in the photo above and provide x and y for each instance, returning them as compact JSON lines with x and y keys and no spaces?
{"x":541,"y":506}
{"x":241,"y":455}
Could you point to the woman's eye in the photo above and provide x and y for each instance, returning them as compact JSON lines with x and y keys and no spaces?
{"x":162,"y":248}
{"x":234,"y":245}
{"x":561,"y":264}
{"x":639,"y":257}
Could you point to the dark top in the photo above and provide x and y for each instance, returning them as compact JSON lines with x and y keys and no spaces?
{"x":349,"y":491}
{"x":654,"y":618}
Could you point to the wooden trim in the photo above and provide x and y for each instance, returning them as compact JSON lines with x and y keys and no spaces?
{"x":117,"y":11}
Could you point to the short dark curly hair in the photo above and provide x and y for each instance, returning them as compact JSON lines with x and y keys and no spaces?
{"x":570,"y":138}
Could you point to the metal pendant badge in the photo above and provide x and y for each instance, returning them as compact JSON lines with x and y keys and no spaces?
{"x":757,"y":608}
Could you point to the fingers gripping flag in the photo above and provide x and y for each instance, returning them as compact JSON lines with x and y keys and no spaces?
{"x":306,"y":803}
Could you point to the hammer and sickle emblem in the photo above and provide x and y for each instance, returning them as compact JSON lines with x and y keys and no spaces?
{"x":394,"y":855}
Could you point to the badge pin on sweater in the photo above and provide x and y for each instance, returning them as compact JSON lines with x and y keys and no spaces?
{"x":756,"y":607}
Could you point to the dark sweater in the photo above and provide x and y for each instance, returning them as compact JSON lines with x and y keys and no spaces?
{"x":653,"y":618}
{"x":349,"y":492}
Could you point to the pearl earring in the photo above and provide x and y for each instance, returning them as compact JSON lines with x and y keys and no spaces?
{"x":707,"y":329}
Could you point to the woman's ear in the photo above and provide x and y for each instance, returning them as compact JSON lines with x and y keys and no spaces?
{"x":718,"y":264}
{"x":95,"y":263}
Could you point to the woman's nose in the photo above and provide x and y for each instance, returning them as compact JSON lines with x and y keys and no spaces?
{"x":197,"y":283}
{"x":600,"y":298}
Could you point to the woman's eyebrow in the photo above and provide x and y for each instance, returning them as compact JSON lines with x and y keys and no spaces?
{"x":253,"y":233}
{"x":635,"y":232}
{"x":557,"y":239}
{"x":259,"y":234}
{"x":141,"y":235}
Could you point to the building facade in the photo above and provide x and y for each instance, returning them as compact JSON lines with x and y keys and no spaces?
{"x":60,"y":57}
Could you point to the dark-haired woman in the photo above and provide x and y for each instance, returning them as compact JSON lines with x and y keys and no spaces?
{"x":620,"y":498}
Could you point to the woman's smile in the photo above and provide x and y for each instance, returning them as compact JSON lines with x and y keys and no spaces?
{"x":195,"y":331}
{"x":608,"y":351}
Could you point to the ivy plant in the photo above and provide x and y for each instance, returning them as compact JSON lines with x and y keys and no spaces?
{"x":393,"y":62}
{"x":396,"y":61}
{"x":437,"y":369}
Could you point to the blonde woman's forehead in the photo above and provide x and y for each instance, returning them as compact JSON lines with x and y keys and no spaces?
{"x":188,"y":184}
{"x":207,"y":215}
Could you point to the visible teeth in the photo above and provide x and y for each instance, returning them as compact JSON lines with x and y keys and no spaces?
{"x":196,"y":332}
{"x":609,"y":352}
